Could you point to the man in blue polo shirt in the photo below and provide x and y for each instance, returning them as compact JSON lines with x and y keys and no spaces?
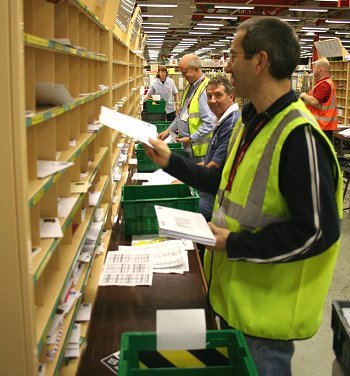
{"x":221,"y":101}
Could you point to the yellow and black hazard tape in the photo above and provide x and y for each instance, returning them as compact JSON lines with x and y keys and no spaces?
{"x":184,"y":358}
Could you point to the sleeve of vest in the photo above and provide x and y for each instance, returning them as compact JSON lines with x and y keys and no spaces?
{"x":308,"y":184}
{"x":202,"y":178}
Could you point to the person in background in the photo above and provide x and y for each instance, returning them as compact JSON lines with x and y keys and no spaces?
{"x":322,"y":99}
{"x":195,"y":122}
{"x":221,"y":101}
{"x":278,"y":205}
{"x":166,"y":88}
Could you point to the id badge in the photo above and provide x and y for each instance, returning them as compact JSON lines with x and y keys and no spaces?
{"x":184,"y":116}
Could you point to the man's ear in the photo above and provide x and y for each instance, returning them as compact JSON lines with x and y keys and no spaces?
{"x":261,"y":61}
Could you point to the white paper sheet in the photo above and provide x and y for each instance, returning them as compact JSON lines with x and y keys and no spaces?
{"x":165,"y":254}
{"x":126,"y":268}
{"x":159,"y":177}
{"x":181,"y":329}
{"x":65,"y":205}
{"x":345,"y":132}
{"x":50,"y":228}
{"x":84,"y":312}
{"x":128,"y":125}
{"x":47,"y":168}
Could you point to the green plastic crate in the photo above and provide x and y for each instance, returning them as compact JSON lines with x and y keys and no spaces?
{"x":155,"y":107}
{"x":138,"y":204}
{"x":226,"y":353}
{"x":145,"y":164}
{"x":161,"y":125}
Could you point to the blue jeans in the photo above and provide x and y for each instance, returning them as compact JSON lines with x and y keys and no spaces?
{"x":271,"y":357}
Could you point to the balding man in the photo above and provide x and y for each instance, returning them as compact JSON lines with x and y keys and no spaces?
{"x":322,"y":99}
{"x":195,"y":122}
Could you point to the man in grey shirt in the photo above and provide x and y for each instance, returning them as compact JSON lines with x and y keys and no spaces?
{"x":195,"y":122}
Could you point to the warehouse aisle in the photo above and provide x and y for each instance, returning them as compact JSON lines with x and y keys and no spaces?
{"x":314,"y":357}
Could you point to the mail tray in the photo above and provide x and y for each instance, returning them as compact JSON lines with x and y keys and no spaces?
{"x":226,"y":353}
{"x":341,"y":334}
{"x":155,"y":107}
{"x":138,"y":204}
{"x":145,"y":164}
{"x":161,"y":125}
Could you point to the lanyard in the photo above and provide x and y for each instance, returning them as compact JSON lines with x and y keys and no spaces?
{"x":192,"y":94}
{"x":241,"y":152}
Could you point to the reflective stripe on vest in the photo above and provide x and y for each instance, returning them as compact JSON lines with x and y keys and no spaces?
{"x":199,"y":147}
{"x":326,"y":113}
{"x":269,"y":300}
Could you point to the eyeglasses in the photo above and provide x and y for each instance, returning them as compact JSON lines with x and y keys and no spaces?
{"x":234,"y":54}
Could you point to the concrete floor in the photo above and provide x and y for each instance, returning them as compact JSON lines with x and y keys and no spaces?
{"x":315,"y":357}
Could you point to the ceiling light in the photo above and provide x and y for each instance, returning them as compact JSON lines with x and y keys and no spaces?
{"x":158,"y":15}
{"x":342,"y":32}
{"x":199,"y":33}
{"x":338,"y":21}
{"x":209,"y":24}
{"x":222,"y":17}
{"x":156,"y":23}
{"x":305,"y":9}
{"x":232,"y":7}
{"x":291,"y":19}
{"x":315,"y":28}
{"x":306,"y":40}
{"x":205,"y":28}
{"x":156,"y":32}
{"x":144,"y":5}
{"x":156,"y":27}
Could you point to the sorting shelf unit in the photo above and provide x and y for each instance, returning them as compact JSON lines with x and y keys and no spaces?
{"x":64,"y":44}
{"x":340,"y":77}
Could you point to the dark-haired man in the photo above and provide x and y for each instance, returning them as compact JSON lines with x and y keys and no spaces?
{"x":278,"y":203}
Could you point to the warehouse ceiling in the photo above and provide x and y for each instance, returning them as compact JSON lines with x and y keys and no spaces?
{"x":207,"y":27}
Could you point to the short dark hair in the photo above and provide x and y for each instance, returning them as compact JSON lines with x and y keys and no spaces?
{"x":277,"y":38}
{"x":222,"y":80}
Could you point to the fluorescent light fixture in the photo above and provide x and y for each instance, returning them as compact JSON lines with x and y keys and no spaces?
{"x":309,"y":33}
{"x":342,"y":32}
{"x":146,"y":28}
{"x":205,"y":28}
{"x":233,"y":7}
{"x":199,"y":33}
{"x":156,"y":23}
{"x":210,"y":24}
{"x":144,"y":5}
{"x":221,"y":17}
{"x":306,"y":40}
{"x":155,"y":32}
{"x":338,"y":21}
{"x":315,"y":28}
{"x":217,"y":45}
{"x":291,"y":19}
{"x":328,"y":1}
{"x":305,"y":9}
{"x":157,"y":15}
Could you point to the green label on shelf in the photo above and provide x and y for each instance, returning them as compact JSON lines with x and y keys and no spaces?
{"x":36,"y":40}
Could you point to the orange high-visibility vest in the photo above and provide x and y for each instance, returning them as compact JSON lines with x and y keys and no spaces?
{"x":326,"y":113}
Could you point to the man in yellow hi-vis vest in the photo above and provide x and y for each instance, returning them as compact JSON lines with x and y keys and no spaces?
{"x":195,"y":122}
{"x":278,"y":205}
